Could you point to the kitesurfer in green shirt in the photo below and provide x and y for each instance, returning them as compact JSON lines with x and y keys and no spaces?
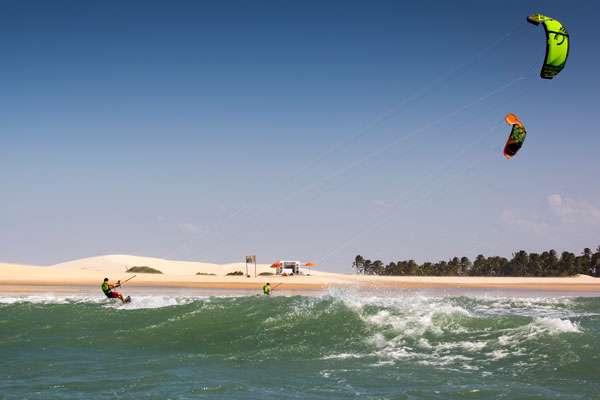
{"x":267,"y":289}
{"x":107,"y":289}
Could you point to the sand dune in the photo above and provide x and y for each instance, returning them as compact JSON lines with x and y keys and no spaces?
{"x":119,"y":263}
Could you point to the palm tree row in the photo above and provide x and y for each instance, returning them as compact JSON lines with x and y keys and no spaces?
{"x":546,"y":264}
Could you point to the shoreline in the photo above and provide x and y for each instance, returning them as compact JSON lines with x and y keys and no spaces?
{"x":39,"y":286}
{"x":31,"y":279}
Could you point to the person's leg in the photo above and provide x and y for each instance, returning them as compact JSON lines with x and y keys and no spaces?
{"x":119,"y":296}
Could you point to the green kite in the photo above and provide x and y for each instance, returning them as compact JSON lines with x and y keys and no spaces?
{"x":557,"y":45}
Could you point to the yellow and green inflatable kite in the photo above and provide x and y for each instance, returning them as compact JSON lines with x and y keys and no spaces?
{"x":557,"y":45}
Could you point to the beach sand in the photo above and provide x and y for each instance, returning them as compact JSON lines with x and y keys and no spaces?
{"x":85,"y":274}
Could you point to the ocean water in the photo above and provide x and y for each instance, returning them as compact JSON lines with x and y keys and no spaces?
{"x":336,"y":344}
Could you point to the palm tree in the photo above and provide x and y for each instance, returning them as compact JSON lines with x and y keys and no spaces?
{"x":595,"y":263}
{"x":378,"y":268}
{"x":567,"y":264}
{"x":480,"y":266}
{"x":359,"y":264}
{"x":535,"y":266}
{"x":518,"y":264}
{"x":550,"y":263}
{"x":465,"y":266}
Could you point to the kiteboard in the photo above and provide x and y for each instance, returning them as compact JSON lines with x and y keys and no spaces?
{"x":128,"y":299}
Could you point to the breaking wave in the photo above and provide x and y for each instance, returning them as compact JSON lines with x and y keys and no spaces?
{"x":332,"y":333}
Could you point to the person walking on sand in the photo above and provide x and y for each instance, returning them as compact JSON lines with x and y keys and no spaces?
{"x":107,"y":289}
{"x":267,"y":289}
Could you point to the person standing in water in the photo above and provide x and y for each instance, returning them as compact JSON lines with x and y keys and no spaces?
{"x":267,"y":289}
{"x":107,"y":289}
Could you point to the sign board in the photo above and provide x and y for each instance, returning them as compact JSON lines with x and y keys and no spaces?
{"x":250,"y":259}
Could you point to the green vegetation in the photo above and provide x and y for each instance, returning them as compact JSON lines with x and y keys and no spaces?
{"x":144,"y":270}
{"x":266,"y":274}
{"x":236,"y":273}
{"x":203,"y":273}
{"x":546,"y":264}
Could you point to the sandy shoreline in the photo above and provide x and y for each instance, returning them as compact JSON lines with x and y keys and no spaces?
{"x":23,"y":279}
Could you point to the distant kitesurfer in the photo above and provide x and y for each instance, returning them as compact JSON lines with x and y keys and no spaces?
{"x":107,"y":289}
{"x":267,"y":289}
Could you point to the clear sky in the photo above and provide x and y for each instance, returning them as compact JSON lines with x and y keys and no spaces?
{"x":308,"y":130}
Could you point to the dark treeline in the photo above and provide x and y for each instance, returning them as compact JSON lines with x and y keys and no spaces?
{"x":547,"y":263}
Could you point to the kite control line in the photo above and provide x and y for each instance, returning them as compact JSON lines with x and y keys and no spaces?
{"x":129,"y":279}
{"x":120,"y":284}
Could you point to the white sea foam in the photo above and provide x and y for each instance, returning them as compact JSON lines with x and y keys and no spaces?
{"x":342,"y":356}
{"x":474,"y":346}
{"x":444,"y":360}
{"x":497,"y":355}
{"x":150,"y":302}
{"x":377,"y":340}
{"x":405,"y":327}
{"x":397,"y":353}
{"x":139,"y":302}
{"x":506,"y":340}
{"x":554,"y":326}
{"x":523,"y":306}
{"x":383,"y":363}
{"x":51,"y":299}
{"x":467,"y":345}
{"x":412,"y":317}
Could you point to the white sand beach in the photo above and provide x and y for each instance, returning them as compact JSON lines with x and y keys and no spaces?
{"x":15,"y":278}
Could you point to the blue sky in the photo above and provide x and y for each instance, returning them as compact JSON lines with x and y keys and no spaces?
{"x":312,"y":131}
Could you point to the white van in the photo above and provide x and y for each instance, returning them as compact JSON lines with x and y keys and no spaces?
{"x":289,"y":268}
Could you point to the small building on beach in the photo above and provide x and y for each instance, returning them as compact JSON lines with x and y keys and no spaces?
{"x":288,"y":268}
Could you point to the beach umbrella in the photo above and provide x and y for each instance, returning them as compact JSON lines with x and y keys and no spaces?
{"x":275,"y":265}
{"x":309,"y":265}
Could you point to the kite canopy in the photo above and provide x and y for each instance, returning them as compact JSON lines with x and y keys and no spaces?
{"x":516,"y":138}
{"x":557,"y":45}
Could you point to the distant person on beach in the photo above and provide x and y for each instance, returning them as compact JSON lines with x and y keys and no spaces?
{"x":267,"y":289}
{"x":107,"y":289}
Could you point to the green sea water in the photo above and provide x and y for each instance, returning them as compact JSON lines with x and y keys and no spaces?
{"x":328,"y":345}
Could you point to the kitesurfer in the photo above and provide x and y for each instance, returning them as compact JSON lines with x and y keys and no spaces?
{"x":107,"y":289}
{"x":267,"y":289}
